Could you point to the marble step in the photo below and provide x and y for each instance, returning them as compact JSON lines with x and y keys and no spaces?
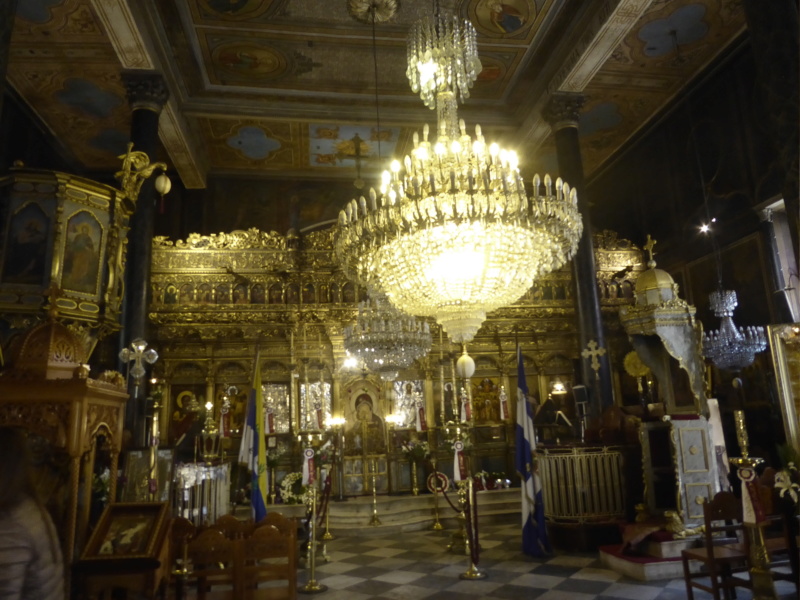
{"x":405,"y":513}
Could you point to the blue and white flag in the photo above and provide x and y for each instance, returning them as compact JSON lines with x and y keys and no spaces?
{"x":534,"y":532}
{"x":252,"y":452}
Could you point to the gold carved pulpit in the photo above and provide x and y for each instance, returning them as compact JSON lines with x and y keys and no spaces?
{"x":49,"y":394}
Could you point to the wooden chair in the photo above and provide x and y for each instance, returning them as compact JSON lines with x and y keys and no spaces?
{"x":233,"y":528}
{"x":270,"y":556}
{"x":721,"y":562}
{"x":213,"y":560}
{"x":284,"y":524}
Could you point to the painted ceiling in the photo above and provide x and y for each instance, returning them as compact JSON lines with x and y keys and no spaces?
{"x":287,"y":88}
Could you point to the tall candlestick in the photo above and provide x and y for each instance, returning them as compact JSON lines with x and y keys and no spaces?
{"x":741,"y":432}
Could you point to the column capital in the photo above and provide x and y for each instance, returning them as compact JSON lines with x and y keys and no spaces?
{"x":145,"y":89}
{"x":563,"y":109}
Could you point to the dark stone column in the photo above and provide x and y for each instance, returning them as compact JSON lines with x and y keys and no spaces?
{"x":147,"y":95}
{"x":8,"y":9}
{"x":562,"y":113}
{"x":773,"y":28}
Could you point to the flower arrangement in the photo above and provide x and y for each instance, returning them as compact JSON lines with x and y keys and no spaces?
{"x":416,"y":451}
{"x":787,"y":480}
{"x":273,"y":456}
{"x":101,"y":486}
{"x":292,"y":489}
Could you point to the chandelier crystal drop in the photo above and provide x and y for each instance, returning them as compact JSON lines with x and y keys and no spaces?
{"x":731,"y":348}
{"x":442,"y":57}
{"x":385,"y":339}
{"x":454,"y":234}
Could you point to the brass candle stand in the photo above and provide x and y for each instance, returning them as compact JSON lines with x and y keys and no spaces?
{"x":181,"y":573}
{"x":763,"y":585}
{"x":374,"y":521}
{"x":312,"y":587}
{"x":327,"y":535}
{"x":472,"y":571}
{"x":414,"y":485}
{"x":437,"y":526}
{"x":459,"y":539}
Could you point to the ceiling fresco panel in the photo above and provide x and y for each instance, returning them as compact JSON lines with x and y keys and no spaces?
{"x":84,"y":105}
{"x":251,"y":144}
{"x":671,"y":43}
{"x":57,"y":22}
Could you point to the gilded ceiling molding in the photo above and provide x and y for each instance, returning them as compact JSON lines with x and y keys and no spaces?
{"x":122,"y":31}
{"x":610,"y":25}
{"x":132,"y":53}
{"x":594,"y":55}
{"x":173,"y":132}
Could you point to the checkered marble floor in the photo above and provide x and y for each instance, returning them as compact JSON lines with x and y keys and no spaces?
{"x":417,"y":565}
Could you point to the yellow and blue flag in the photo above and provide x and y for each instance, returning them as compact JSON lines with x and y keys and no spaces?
{"x":252,"y":452}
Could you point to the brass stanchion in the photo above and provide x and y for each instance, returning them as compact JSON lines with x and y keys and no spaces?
{"x":437,"y":526}
{"x":374,"y":521}
{"x":472,"y":571}
{"x":312,"y":587}
{"x":327,"y":535}
{"x":459,"y":539}
{"x":181,"y":573}
{"x":763,"y":585}
{"x":414,"y":485}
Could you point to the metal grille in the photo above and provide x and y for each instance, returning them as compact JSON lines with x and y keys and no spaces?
{"x":582,"y":484}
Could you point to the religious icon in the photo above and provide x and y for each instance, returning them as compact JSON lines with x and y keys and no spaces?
{"x":27,"y":247}
{"x":171,"y":294}
{"x":82,"y":253}
{"x":204,"y":294}
{"x":257,"y":294}
{"x":240,"y":294}
{"x":275,"y":294}
{"x":368,"y":433}
{"x":308,"y":294}
{"x":186,"y":293}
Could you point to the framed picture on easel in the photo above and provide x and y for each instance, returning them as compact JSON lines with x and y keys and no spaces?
{"x":128,"y":530}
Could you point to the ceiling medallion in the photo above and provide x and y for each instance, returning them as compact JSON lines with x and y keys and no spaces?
{"x":367,"y":10}
{"x":453,"y":233}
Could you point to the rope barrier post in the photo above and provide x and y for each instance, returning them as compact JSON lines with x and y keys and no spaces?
{"x":459,"y":538}
{"x":471,"y":538}
{"x":312,"y":587}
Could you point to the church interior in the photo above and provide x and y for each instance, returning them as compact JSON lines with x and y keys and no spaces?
{"x":268,"y":257}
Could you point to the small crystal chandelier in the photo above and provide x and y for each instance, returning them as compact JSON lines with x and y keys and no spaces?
{"x":442,"y":58}
{"x":385,"y":339}
{"x":731,"y":348}
{"x":454,"y":234}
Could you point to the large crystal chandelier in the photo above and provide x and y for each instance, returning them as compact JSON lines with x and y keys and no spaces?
{"x":454,"y":234}
{"x":731,"y":348}
{"x":385,"y":339}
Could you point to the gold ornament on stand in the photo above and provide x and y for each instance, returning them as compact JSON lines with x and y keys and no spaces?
{"x":136,"y":168}
{"x":312,"y":586}
{"x":374,"y":521}
{"x":763,"y":585}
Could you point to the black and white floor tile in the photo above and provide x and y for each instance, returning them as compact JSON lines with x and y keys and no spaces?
{"x":417,"y":566}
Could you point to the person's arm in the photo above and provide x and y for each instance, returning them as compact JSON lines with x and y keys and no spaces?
{"x":16,"y":553}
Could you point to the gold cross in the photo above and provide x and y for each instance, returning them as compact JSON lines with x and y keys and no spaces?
{"x":649,"y":246}
{"x":592,"y":350}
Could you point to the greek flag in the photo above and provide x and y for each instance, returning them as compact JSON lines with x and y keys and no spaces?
{"x":534,"y":533}
{"x":251,"y":452}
